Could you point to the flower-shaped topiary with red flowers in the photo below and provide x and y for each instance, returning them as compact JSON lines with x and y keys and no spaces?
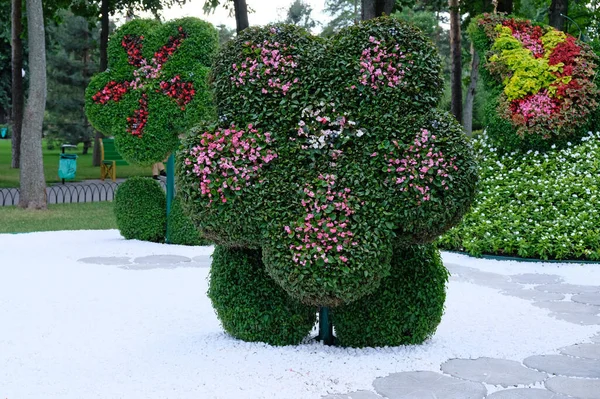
{"x":328,"y":163}
{"x":541,"y":82}
{"x":155,"y":86}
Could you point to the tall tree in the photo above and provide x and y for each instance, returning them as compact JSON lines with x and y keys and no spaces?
{"x":17,"y":80}
{"x":470,"y":97}
{"x":72,"y":58}
{"x":5,"y":63}
{"x":558,"y":8}
{"x":225,"y":34}
{"x":375,"y":8}
{"x":344,"y":13}
{"x":300,"y":13}
{"x":239,"y":8}
{"x":32,"y":193}
{"x":455,"y":62}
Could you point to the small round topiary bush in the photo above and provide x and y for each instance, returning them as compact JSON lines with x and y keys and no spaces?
{"x":140,"y":210}
{"x":155,"y":87}
{"x":250,"y":305}
{"x":325,"y":154}
{"x":407,"y":307}
{"x":541,"y":82}
{"x":180,"y":228}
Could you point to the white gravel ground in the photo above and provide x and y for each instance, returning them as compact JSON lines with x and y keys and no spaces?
{"x":75,"y":330}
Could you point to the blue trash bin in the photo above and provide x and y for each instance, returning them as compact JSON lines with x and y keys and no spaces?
{"x":3,"y":132}
{"x":67,"y":166}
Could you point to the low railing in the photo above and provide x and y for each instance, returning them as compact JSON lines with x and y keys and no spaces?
{"x":69,"y":193}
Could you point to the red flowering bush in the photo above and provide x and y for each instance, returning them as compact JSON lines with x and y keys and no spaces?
{"x":155,"y":86}
{"x":542,"y":82}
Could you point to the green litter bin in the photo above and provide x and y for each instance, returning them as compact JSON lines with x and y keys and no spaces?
{"x":67,"y":166}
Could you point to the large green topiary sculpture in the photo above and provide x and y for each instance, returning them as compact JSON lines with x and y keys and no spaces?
{"x":407,"y":307}
{"x":155,"y":86}
{"x":140,"y":210}
{"x":249,"y":303}
{"x":326,"y":155}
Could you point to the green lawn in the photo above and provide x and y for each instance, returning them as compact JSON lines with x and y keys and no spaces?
{"x":83,"y":216}
{"x":10,"y":177}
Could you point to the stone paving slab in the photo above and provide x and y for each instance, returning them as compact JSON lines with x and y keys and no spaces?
{"x":536,"y":278}
{"x":149,"y":267}
{"x":568,"y":288}
{"x":565,"y":365}
{"x":106,"y":260}
{"x":161,"y":259}
{"x":578,"y":318}
{"x":354,"y":395}
{"x":586,"y":351}
{"x":426,"y":385}
{"x":534,"y":295}
{"x":526,"y":393}
{"x":202,"y":259}
{"x":568,"y":307}
{"x":492,"y":371}
{"x":577,"y":388}
{"x":589,"y":298}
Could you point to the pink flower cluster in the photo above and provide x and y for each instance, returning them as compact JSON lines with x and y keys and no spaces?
{"x":535,"y":105}
{"x":323,"y":236}
{"x":380,"y":67}
{"x":273,"y":69}
{"x":420,"y":164}
{"x":228,"y":160}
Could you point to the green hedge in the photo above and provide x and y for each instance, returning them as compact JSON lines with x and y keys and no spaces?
{"x":140,"y":210}
{"x":161,"y":71}
{"x":180,"y":227}
{"x":325,"y":154}
{"x":541,"y":205}
{"x":541,"y":82}
{"x":406,"y":309}
{"x":250,"y":305}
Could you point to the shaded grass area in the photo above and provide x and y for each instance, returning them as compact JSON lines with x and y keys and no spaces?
{"x":85,"y":171}
{"x":77,"y":216}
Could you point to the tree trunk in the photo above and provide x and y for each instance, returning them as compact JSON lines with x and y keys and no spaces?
{"x":555,"y":19}
{"x":17,"y":81}
{"x":367,"y":9}
{"x":32,"y":194}
{"x":241,"y":15}
{"x":468,"y":111}
{"x":376,"y":8}
{"x":96,"y":155}
{"x":505,"y":6}
{"x":455,"y":57}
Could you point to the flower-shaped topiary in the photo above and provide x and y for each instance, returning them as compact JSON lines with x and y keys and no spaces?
{"x":541,"y":80}
{"x":155,"y":86}
{"x":327,"y":154}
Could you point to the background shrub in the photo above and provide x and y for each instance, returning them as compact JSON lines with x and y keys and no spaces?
{"x":155,"y":87}
{"x":541,"y":205}
{"x":180,"y":227}
{"x":140,"y":210}
{"x":540,"y":82}
{"x":405,"y":310}
{"x":250,"y":305}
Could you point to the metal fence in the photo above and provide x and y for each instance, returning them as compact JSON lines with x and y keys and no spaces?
{"x":87,"y":191}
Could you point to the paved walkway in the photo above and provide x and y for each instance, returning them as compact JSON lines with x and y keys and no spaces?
{"x":574,"y":373}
